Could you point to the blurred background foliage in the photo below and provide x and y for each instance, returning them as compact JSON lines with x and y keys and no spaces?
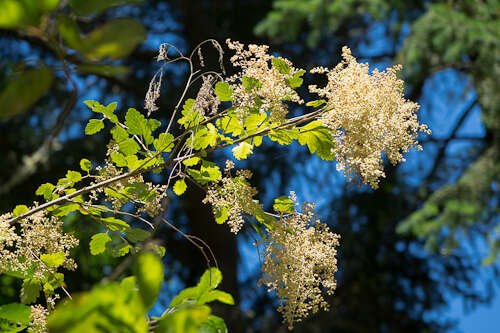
{"x":431,"y":231}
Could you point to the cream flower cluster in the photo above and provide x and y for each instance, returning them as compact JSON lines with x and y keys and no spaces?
{"x":299,"y":261}
{"x":38,"y":234}
{"x":38,"y":319}
{"x":233,"y":194}
{"x":272,"y":89}
{"x":368,"y":116}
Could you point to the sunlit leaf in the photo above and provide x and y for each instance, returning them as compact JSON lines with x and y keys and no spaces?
{"x":223,"y":91}
{"x":242,"y":150}
{"x":53,"y":259}
{"x":180,"y":187}
{"x":98,"y":243}
{"x":283,"y":204}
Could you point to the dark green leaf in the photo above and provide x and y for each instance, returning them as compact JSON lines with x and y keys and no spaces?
{"x":23,"y":90}
{"x":137,"y":235}
{"x":30,"y":291}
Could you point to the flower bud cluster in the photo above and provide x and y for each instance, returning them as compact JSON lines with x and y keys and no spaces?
{"x":368,"y":116}
{"x":299,"y":261}
{"x":233,"y":195}
{"x":38,"y":234}
{"x":272,"y":89}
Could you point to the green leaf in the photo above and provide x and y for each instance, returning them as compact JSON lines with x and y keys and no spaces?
{"x":318,"y":139}
{"x":213,"y":324}
{"x":221,"y":215}
{"x":284,"y":204}
{"x":191,"y":116}
{"x":242,"y":150}
{"x":281,"y":65}
{"x":89,"y":7}
{"x":128,"y":147}
{"x":188,"y":319}
{"x":115,"y":40}
{"x":64,"y":210}
{"x":112,"y":307}
{"x":317,"y":103}
{"x":85,"y":164}
{"x":137,"y":235}
{"x":73,"y":176}
{"x":22,"y":90}
{"x":223,"y":91}
{"x":283,"y":137}
{"x":185,"y":295}
{"x":45,"y":190}
{"x":250,"y":83}
{"x":208,"y":173}
{"x":210,"y":279}
{"x":94,"y":126}
{"x":19,"y":210}
{"x":149,"y":275}
{"x":30,"y":290}
{"x":230,"y":125}
{"x":164,"y":142}
{"x":216,"y":295}
{"x":115,"y":224}
{"x":296,"y":81}
{"x":121,"y":250}
{"x":119,"y":134}
{"x":180,"y":187}
{"x":53,"y":259}
{"x":98,"y":243}
{"x":15,"y":312}
{"x":104,"y":70}
{"x":191,"y":161}
{"x":118,"y":159}
{"x":136,"y":122}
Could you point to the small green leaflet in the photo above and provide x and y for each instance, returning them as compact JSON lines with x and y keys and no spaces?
{"x":137,"y":235}
{"x":45,"y":190}
{"x":73,"y":176}
{"x":107,"y":111}
{"x":250,"y":83}
{"x":242,"y":150}
{"x":317,"y":103}
{"x":118,"y":159}
{"x":191,"y":161}
{"x":281,"y":65}
{"x":30,"y":290}
{"x":216,"y":295}
{"x":283,"y":137}
{"x":230,"y":125}
{"x":94,"y":126}
{"x":128,"y":147}
{"x":210,"y":279}
{"x":121,"y":250}
{"x":208,"y":173}
{"x":85,"y":165}
{"x":53,"y":259}
{"x":191,"y":117}
{"x":164,"y":142}
{"x":283,"y":204}
{"x":98,"y":243}
{"x":296,"y":81}
{"x":223,"y":91}
{"x":318,"y":139}
{"x":115,"y":224}
{"x":119,"y":133}
{"x":19,"y":210}
{"x":221,"y":215}
{"x":180,"y":187}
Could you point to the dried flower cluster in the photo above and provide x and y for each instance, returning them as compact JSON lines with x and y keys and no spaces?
{"x":368,"y":116}
{"x":206,"y":103}
{"x":234,"y":196}
{"x":38,"y":234}
{"x":270,"y":89}
{"x":38,"y":319}
{"x":300,"y":261}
